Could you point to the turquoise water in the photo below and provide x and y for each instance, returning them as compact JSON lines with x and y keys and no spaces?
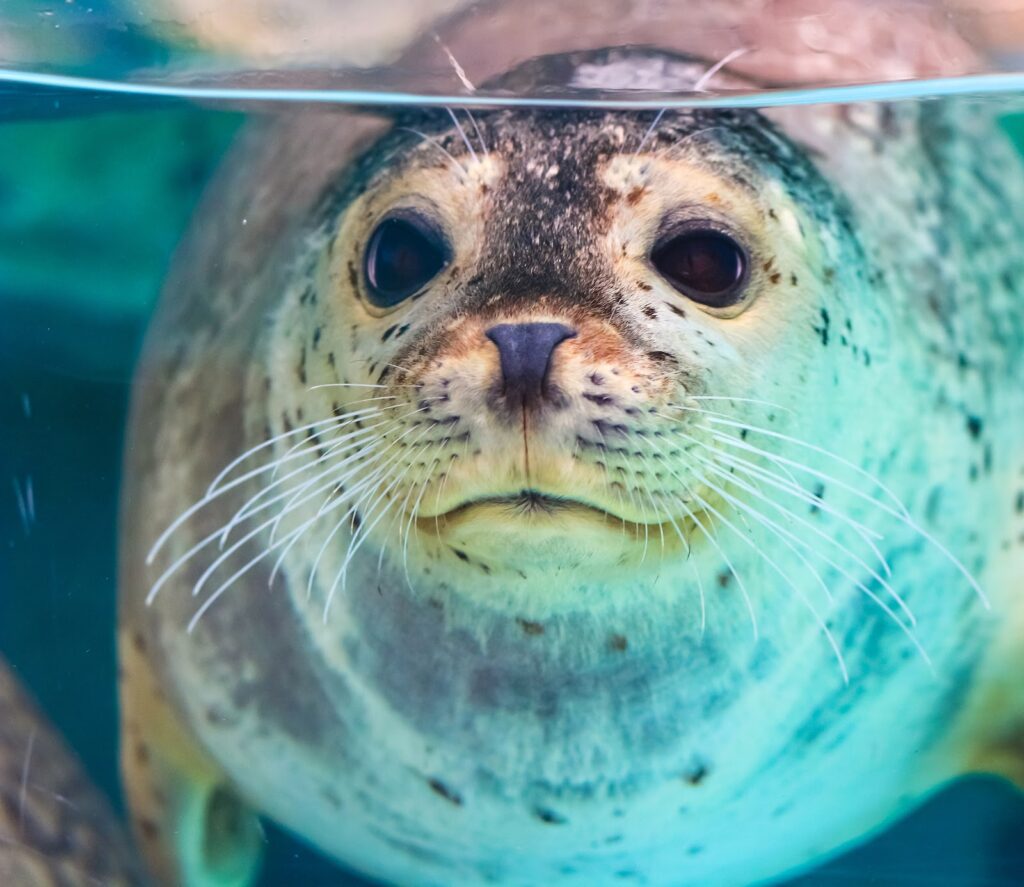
{"x":91,"y":208}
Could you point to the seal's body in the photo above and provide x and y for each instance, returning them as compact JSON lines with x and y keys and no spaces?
{"x":574,"y":497}
{"x":55,"y":827}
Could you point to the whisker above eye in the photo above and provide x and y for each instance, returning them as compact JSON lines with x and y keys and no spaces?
{"x":462,"y":133}
{"x":432,"y":141}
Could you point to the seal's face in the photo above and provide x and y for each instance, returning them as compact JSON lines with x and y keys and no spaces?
{"x":532,"y":326}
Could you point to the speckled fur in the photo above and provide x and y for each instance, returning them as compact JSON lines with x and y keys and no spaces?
{"x":541,"y":680}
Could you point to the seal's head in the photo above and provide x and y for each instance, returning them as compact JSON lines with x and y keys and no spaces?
{"x":532,"y":321}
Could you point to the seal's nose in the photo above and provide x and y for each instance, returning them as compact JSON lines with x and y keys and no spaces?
{"x":525,"y":350}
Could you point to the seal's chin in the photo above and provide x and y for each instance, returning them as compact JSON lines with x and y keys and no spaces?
{"x":554,"y":530}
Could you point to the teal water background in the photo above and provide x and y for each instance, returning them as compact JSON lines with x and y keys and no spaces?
{"x":91,"y":207}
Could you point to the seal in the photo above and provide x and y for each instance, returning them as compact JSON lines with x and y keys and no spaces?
{"x":55,"y":826}
{"x":579,"y":496}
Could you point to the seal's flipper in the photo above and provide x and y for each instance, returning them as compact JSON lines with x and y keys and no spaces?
{"x":192,"y":828}
{"x":994,"y":720}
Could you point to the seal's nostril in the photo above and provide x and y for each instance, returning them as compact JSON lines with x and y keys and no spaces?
{"x":525,"y":350}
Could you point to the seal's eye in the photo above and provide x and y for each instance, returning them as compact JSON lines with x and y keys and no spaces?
{"x":404,"y":254}
{"x":703,"y":264}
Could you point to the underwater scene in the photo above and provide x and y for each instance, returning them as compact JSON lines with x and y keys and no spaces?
{"x":457,"y":444}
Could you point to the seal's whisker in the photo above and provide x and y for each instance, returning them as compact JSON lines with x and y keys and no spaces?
{"x":317,"y":444}
{"x":902,"y":515}
{"x":782,"y":535}
{"x":444,"y":483}
{"x":476,"y":126}
{"x":354,"y":385}
{"x":755,"y":400}
{"x":462,"y":133}
{"x":650,"y":130}
{"x":787,"y":484}
{"x":270,"y":441}
{"x":432,"y":141}
{"x":240,"y":542}
{"x":629,"y":489}
{"x":364,"y":458}
{"x":412,"y":517}
{"x":830,"y":637}
{"x":396,"y":519}
{"x":677,"y":145}
{"x":199,"y":546}
{"x":297,"y":499}
{"x":711,"y":540}
{"x":709,"y":74}
{"x":214,"y":493}
{"x":700,"y":587}
{"x":363,"y":443}
{"x":787,"y":539}
{"x":352,"y":439}
{"x":359,"y":489}
{"x":817,"y":531}
{"x":209,"y":495}
{"x":778,"y":435}
{"x":644,"y":488}
{"x":359,"y":538}
{"x":231,"y":580}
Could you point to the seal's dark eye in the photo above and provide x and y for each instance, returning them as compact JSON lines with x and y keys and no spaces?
{"x":704,"y":265}
{"x":404,"y":254}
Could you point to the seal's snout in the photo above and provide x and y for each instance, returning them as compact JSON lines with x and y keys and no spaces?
{"x":526,"y":351}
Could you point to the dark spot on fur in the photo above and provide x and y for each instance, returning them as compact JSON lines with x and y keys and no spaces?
{"x":651,"y":312}
{"x":644,"y":285}
{"x":724,"y":578}
{"x":461,"y":555}
{"x":819,"y":495}
{"x":675,"y":309}
{"x":1019,"y":505}
{"x":602,"y":400}
{"x":618,"y":642}
{"x":793,"y":280}
{"x":660,"y":356}
{"x":974,"y":426}
{"x":823,"y":330}
{"x":776,"y":277}
{"x":149,"y":829}
{"x":545,"y":814}
{"x":696,"y":774}
{"x":439,"y":788}
{"x":531,"y":628}
{"x":389,"y":332}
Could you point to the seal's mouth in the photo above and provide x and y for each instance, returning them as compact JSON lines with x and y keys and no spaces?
{"x":527,"y":503}
{"x":540,"y":507}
